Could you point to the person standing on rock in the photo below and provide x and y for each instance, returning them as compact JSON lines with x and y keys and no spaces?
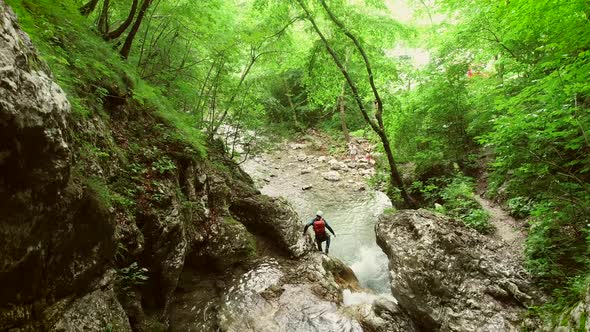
{"x":319,"y":228}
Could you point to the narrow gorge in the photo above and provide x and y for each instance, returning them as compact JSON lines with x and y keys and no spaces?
{"x":160,"y":159}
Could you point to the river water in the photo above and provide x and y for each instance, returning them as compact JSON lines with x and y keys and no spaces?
{"x":352,"y":213}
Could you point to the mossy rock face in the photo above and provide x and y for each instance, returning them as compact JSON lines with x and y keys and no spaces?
{"x":229,"y":243}
{"x":56,"y":232}
{"x":65,"y":249}
{"x":272,"y":218}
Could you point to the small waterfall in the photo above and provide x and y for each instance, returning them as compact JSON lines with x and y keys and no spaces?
{"x":371,"y":269}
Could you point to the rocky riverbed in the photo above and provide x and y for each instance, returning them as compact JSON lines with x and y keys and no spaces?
{"x":312,"y":179}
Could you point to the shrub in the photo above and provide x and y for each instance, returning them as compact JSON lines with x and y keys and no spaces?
{"x":520,"y":207}
{"x":459,"y":202}
{"x":132,"y":276}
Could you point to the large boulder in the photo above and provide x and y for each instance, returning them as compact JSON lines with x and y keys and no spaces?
{"x":450,"y":278}
{"x":273,"y":218}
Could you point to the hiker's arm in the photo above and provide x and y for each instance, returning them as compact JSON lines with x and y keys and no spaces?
{"x":329,"y":228}
{"x":307,"y":226}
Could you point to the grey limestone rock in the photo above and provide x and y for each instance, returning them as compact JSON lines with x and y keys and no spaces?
{"x":450,"y":278}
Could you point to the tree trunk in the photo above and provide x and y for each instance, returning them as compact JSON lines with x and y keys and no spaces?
{"x":119,"y":31}
{"x":291,"y":105}
{"x":215,"y":127}
{"x":342,"y":108}
{"x":126,"y":49}
{"x":103,"y":19}
{"x":88,"y":7}
{"x":378,"y":127}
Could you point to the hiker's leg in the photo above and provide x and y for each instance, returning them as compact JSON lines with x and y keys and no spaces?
{"x":319,"y":243}
{"x":327,"y":244}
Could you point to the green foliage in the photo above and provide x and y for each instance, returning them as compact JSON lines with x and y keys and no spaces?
{"x":100,"y":191}
{"x":566,"y":297}
{"x":83,"y":64}
{"x":456,"y":195}
{"x":389,"y":211}
{"x":91,"y":71}
{"x":131,"y":277}
{"x":459,"y":202}
{"x":524,"y":106}
{"x":520,"y":207}
{"x":163,"y":165}
{"x":253,"y":64}
{"x":557,"y":245}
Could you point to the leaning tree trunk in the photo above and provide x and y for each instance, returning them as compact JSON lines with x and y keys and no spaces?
{"x":88,"y":7}
{"x":291,"y":105}
{"x":119,"y":31}
{"x":342,"y":108}
{"x":126,"y":49}
{"x":378,"y":127}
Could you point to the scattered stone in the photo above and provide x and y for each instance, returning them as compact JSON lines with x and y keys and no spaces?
{"x":266,"y":180}
{"x":306,"y":171}
{"x":301,"y":157}
{"x":322,"y":159}
{"x":334,"y":164}
{"x":272,"y":175}
{"x":332,"y":176}
{"x":306,"y":187}
{"x":361,"y":186}
{"x":369,"y":172}
{"x":296,"y":146}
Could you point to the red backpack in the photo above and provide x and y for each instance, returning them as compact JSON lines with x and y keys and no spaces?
{"x":319,"y":227}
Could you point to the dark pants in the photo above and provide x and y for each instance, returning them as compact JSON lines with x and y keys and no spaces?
{"x":320,"y":239}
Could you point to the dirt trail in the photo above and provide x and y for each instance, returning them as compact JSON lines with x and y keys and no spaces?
{"x":507,"y":229}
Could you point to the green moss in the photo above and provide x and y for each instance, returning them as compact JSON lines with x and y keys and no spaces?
{"x":389,"y":211}
{"x":252,"y":246}
{"x":89,"y":69}
{"x":186,"y":130}
{"x":230,"y":220}
{"x":98,"y":189}
{"x":583,"y":318}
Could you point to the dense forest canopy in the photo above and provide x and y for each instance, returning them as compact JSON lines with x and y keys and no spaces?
{"x":456,"y":89}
